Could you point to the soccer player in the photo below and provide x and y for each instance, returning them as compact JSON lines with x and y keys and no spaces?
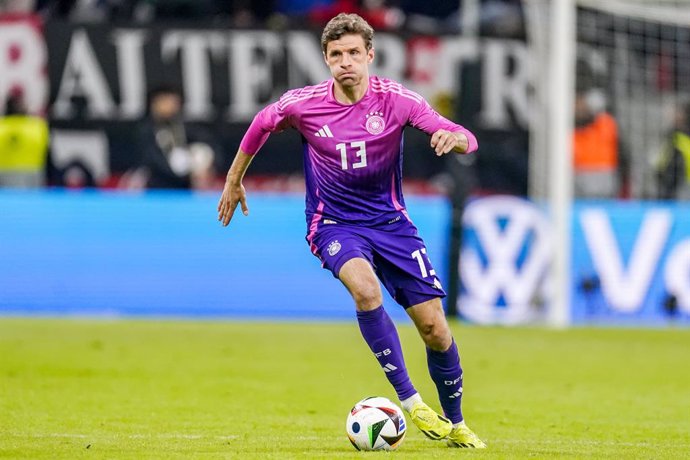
{"x":352,"y":127}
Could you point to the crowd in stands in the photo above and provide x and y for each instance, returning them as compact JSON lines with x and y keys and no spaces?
{"x":177,"y":155}
{"x":170,"y":148}
{"x":417,"y":16}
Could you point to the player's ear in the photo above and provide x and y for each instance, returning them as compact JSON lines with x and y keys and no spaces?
{"x":370,"y":56}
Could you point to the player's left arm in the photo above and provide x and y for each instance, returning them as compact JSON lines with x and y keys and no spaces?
{"x":446,"y":136}
{"x":444,"y":141}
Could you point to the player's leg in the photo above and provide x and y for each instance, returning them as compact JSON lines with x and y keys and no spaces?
{"x":407,"y":273}
{"x":348,"y":256}
{"x":442,"y":355}
{"x":398,"y":257}
{"x":376,"y":326}
{"x":443,"y":361}
{"x":360,"y":280}
{"x":380,"y":333}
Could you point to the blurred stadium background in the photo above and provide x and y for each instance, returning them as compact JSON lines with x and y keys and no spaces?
{"x":574,"y":212}
{"x":610,"y":80}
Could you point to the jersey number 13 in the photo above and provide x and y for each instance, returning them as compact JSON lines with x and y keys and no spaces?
{"x":360,"y":152}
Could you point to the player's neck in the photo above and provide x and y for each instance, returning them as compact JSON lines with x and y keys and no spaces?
{"x":350,"y":94}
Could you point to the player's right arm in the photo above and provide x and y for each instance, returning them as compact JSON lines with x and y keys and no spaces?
{"x":233,"y":191}
{"x":271,"y":119}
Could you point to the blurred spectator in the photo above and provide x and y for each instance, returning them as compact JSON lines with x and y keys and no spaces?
{"x":54,"y":8}
{"x":241,"y":12}
{"x":148,"y":10}
{"x":175,"y":154}
{"x":245,"y":13}
{"x":17,"y":6}
{"x":378,"y":13}
{"x":599,"y":163}
{"x":23,"y":146}
{"x":76,"y":175}
{"x":301,"y":7}
{"x":497,"y":17}
{"x":431,"y":17}
{"x":672,"y":163}
{"x":381,"y":15}
{"x":502,"y":18}
{"x":86,"y":10}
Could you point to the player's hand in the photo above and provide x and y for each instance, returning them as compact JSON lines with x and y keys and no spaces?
{"x":232,"y":195}
{"x":443,"y":141}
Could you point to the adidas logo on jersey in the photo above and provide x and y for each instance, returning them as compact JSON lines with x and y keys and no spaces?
{"x":324,"y":132}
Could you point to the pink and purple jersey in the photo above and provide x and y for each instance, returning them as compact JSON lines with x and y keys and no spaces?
{"x":352,"y":153}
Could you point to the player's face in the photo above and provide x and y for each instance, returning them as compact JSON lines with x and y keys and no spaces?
{"x":348,"y":60}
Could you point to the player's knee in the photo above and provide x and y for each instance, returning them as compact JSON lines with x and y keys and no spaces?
{"x":436,"y":335}
{"x":367,"y":297}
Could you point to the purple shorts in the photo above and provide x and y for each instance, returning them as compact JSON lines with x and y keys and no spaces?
{"x":395,"y":251}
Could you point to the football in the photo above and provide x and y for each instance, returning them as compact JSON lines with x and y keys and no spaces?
{"x":376,"y":423}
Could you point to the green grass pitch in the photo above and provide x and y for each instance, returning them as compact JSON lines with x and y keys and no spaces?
{"x":72,"y":389}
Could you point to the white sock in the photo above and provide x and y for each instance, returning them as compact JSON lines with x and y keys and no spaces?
{"x":462,"y":423}
{"x":409,"y":402}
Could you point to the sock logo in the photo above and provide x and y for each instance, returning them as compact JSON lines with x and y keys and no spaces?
{"x":452,"y":382}
{"x":457,"y":394}
{"x":385,"y":352}
{"x":389,"y":368}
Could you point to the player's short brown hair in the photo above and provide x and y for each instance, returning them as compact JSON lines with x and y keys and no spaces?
{"x":345,"y":24}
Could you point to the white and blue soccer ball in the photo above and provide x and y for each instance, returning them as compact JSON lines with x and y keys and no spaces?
{"x":376,"y":423}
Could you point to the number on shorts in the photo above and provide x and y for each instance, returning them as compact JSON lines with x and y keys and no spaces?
{"x":419,"y":256}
